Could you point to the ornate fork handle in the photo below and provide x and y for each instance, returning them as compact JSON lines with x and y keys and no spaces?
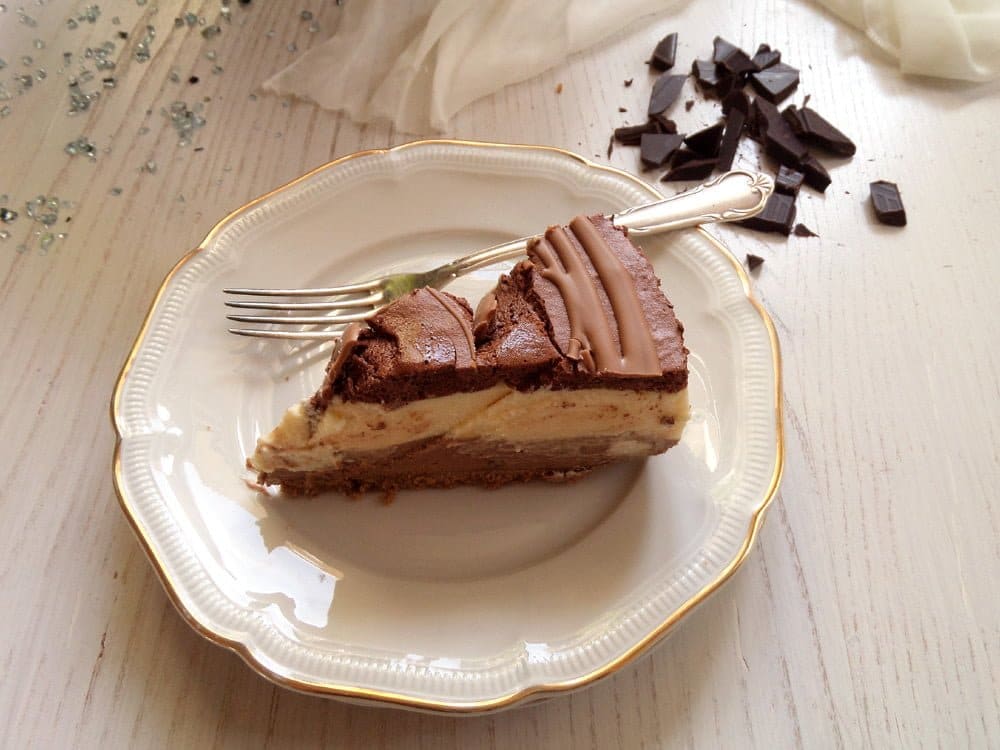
{"x":732,"y":196}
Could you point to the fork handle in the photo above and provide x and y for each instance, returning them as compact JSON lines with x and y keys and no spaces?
{"x":732,"y":196}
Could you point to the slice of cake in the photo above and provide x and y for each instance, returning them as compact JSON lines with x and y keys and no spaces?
{"x":573,"y":361}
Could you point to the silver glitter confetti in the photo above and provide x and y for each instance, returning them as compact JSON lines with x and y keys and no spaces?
{"x":313,"y":27}
{"x":210,"y":32}
{"x":27,"y":60}
{"x":116,"y":191}
{"x":149,"y":166}
{"x":71,"y":24}
{"x":306,"y":15}
{"x":7,"y":215}
{"x":5,"y":110}
{"x":4,"y":234}
{"x":39,"y":44}
{"x":46,"y":241}
{"x":293,"y":47}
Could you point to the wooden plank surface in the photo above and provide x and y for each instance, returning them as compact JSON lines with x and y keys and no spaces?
{"x":866,"y":617}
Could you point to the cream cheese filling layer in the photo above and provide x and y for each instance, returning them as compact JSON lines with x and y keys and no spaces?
{"x":499,"y":414}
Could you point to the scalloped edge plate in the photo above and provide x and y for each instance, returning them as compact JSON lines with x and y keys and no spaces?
{"x":658,"y":538}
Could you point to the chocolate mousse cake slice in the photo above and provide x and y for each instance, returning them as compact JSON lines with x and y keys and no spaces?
{"x":573,"y":361}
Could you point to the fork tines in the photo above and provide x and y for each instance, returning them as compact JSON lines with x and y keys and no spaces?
{"x":344,"y":311}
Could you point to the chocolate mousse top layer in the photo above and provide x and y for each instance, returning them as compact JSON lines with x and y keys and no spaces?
{"x":585,"y":310}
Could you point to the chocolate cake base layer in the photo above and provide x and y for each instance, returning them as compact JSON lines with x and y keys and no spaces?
{"x":450,"y":463}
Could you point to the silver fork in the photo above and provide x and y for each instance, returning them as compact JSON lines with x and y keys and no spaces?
{"x":732,"y":196}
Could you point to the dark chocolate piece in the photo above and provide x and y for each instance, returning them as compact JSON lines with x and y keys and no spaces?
{"x":765,"y":57}
{"x":706,"y":142}
{"x":622,"y":109}
{"x":666,"y":89}
{"x":630,"y":135}
{"x":695,"y":169}
{"x":709,"y":79}
{"x":776,"y":83}
{"x":777,"y":136}
{"x":778,"y":215}
{"x":737,"y":99}
{"x":731,"y":58}
{"x":683,"y":156}
{"x":788,"y":181}
{"x":801,"y":230}
{"x":655,"y":149}
{"x":628,"y":82}
{"x":815,"y":130}
{"x":611,"y":145}
{"x":689,"y":105}
{"x":888,"y":203}
{"x":753,"y":261}
{"x":663,"y":124}
{"x":665,"y":53}
{"x":816,"y":175}
{"x":731,"y":139}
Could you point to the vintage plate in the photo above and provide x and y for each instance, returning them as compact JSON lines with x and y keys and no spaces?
{"x":461,"y":600}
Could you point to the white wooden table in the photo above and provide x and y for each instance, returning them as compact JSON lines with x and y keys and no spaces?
{"x":867,"y":616}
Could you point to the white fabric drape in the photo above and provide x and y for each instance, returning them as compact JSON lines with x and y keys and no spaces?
{"x":943,"y":38}
{"x":417,"y":62}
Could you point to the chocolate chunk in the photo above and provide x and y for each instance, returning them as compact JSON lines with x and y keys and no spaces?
{"x":738,"y":100}
{"x":816,"y":175}
{"x":630,"y":135}
{"x":706,"y":142}
{"x":665,"y":92}
{"x":665,"y":53}
{"x":731,"y":139}
{"x":655,"y":149}
{"x":709,"y":79}
{"x":696,"y":169}
{"x":753,"y":261}
{"x":815,"y":130}
{"x":628,"y":82}
{"x":683,"y":155}
{"x":611,"y":145}
{"x":801,"y":230}
{"x":778,"y":215}
{"x":765,"y":57}
{"x":776,"y":83}
{"x":731,"y":58}
{"x":663,"y":124}
{"x":777,"y":136}
{"x":788,"y":181}
{"x":689,"y":105}
{"x":888,"y":203}
{"x":622,"y":109}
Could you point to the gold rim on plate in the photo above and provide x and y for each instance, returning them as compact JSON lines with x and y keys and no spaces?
{"x":398,"y":699}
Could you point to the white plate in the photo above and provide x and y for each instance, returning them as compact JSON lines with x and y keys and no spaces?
{"x":457,"y":600}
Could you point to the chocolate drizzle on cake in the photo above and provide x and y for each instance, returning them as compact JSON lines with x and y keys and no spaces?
{"x":592,"y":340}
{"x":585,"y":310}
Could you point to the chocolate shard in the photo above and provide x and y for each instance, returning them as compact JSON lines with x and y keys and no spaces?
{"x":737,"y":99}
{"x":813,"y":129}
{"x":776,"y":83}
{"x":801,"y":230}
{"x":665,"y":53}
{"x":663,"y":124}
{"x":888,"y":203}
{"x":731,"y":58}
{"x":788,"y":181}
{"x":709,"y":78}
{"x":630,"y":135}
{"x":706,"y":142}
{"x":816,"y":175}
{"x":765,"y":57}
{"x":778,"y":216}
{"x":665,"y":92}
{"x":731,"y":139}
{"x":753,"y":261}
{"x":655,"y":149}
{"x":695,"y":169}
{"x":777,"y":136}
{"x":683,"y":155}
